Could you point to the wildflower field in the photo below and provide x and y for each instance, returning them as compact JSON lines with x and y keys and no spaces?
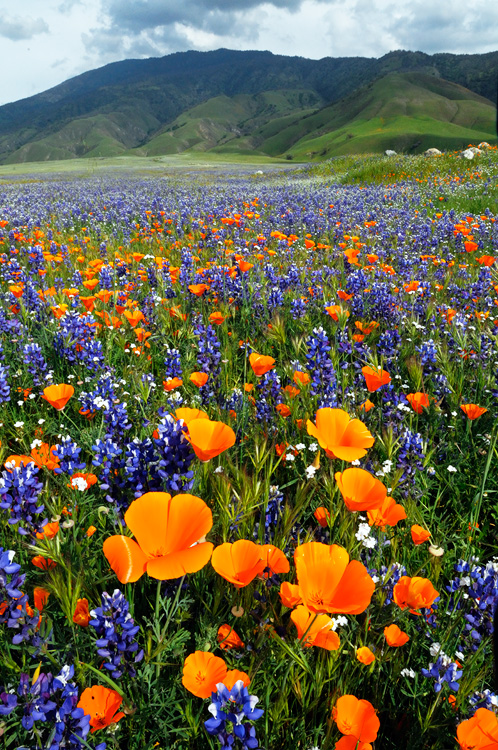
{"x":248,"y":491}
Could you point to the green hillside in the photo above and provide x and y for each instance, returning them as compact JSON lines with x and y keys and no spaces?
{"x":405,"y":112}
{"x":226,"y":124}
{"x":257,"y":103}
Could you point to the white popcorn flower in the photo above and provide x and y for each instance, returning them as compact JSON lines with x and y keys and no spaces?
{"x":452,"y":469}
{"x":310,"y":472}
{"x":408,"y":673}
{"x":313,"y":447}
{"x":78,"y":483}
{"x":19,"y":424}
{"x":363,"y":532}
{"x":370,"y":542}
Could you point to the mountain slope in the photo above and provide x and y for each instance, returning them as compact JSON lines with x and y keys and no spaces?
{"x":405,"y":112}
{"x":151,"y":104}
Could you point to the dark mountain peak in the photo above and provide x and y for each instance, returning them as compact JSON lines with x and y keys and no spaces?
{"x":124,"y":105}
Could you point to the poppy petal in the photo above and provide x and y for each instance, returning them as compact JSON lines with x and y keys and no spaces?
{"x":353,"y":596}
{"x":148,"y":518}
{"x":180,"y":562}
{"x":125,"y":558}
{"x":189,"y":520}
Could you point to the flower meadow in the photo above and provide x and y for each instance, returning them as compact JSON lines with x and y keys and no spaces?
{"x":248,"y":461}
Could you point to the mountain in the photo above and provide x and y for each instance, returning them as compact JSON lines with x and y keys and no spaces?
{"x":244,"y":101}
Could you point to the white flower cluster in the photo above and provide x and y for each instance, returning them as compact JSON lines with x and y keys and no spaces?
{"x":408,"y":673}
{"x":386,"y":468}
{"x":310,"y":471}
{"x":363,"y":535}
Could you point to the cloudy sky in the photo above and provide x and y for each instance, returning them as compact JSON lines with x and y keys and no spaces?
{"x":42,"y":45}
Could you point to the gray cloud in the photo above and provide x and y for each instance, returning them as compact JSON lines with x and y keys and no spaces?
{"x":443,"y":29}
{"x":17,"y":28}
{"x":143,"y":28}
{"x":137,"y":15}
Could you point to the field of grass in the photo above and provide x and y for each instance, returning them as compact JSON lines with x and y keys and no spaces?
{"x":248,"y":453}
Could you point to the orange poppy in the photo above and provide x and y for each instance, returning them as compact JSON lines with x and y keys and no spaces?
{"x":40,"y":597}
{"x":233,"y":676}
{"x":44,"y":563}
{"x":239,"y":562}
{"x":356,"y":718}
{"x":171,"y":384}
{"x":260,"y":363}
{"x":329,"y":582}
{"x":45,"y":456}
{"x":366,"y":406}
{"x":133,"y":317}
{"x":290,"y":594}
{"x":91,"y":284}
{"x":301,"y":378}
{"x":217,"y":318}
{"x":202,"y":671}
{"x":360,"y":490}
{"x":340,"y":436}
{"x":49,"y":531}
{"x":101,"y":704}
{"x":480,"y":732}
{"x":198,"y":289}
{"x":418,"y":401}
{"x":395,"y":637}
{"x":90,"y":531}
{"x":58,"y":395}
{"x":320,"y":633}
{"x":415,"y":593}
{"x":472,"y":411}
{"x":81,"y":614}
{"x":199,"y":378}
{"x":188,"y":415}
{"x":344,"y":295}
{"x":209,"y":439}
{"x":227,"y":638}
{"x":388,"y":514}
{"x":335,"y":310}
{"x":274,"y":559}
{"x":322,"y":516}
{"x":291,"y":391}
{"x":283,"y":410}
{"x":486,"y":260}
{"x":375,"y":378}
{"x":88,"y":302}
{"x":168,"y":531}
{"x":419,"y":535}
{"x":365,"y":655}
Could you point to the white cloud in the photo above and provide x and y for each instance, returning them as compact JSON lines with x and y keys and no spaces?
{"x":78,"y":35}
{"x":17,"y":28}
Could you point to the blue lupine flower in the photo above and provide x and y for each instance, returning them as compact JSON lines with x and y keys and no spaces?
{"x":232,"y":710}
{"x":116,"y":630}
{"x":19,"y":493}
{"x":35,"y":361}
